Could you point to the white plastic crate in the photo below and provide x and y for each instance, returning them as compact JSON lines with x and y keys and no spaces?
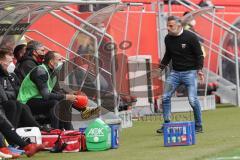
{"x":126,"y":118}
{"x":33,"y":133}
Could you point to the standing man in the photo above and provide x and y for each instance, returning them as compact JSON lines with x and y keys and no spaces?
{"x":183,"y":48}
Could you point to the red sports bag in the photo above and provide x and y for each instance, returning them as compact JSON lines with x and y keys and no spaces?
{"x":64,"y":141}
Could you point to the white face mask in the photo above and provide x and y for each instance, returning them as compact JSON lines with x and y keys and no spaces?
{"x":11,"y":67}
{"x":192,"y":23}
{"x":59,"y":65}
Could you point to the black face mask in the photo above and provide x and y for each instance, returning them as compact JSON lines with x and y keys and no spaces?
{"x":40,"y":58}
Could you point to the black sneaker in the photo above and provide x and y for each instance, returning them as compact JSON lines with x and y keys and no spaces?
{"x":198,"y":129}
{"x":160,"y":130}
{"x":45,"y":128}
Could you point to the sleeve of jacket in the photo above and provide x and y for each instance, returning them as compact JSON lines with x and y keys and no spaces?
{"x":57,"y":88}
{"x":23,"y":68}
{"x":196,"y":46}
{"x":27,"y":67}
{"x":40,"y":77}
{"x":167,"y":56}
{"x":3,"y":96}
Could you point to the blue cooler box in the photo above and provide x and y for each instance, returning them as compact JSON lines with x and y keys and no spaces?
{"x":179,"y":133}
{"x":115,"y":135}
{"x":82,"y":130}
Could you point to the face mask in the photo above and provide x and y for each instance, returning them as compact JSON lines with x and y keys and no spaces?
{"x":59,"y":66}
{"x":40,"y":58}
{"x":11,"y":67}
{"x":192,"y":23}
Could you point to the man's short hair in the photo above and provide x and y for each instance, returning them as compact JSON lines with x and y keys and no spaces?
{"x":185,"y":13}
{"x":17,"y":49}
{"x":33,"y":45}
{"x":49,"y":56}
{"x":4,"y":52}
{"x":175,"y":18}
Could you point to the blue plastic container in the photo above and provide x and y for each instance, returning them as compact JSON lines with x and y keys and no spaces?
{"x":82,"y":130}
{"x":115,"y":135}
{"x":179,"y":133}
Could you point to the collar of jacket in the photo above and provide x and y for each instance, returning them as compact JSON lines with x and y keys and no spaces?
{"x":2,"y":72}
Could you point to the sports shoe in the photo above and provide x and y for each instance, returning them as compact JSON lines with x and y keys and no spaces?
{"x":45,"y":128}
{"x":33,"y":148}
{"x":6,"y":151}
{"x":198,"y":129}
{"x":89,"y":112}
{"x":160,"y":130}
{"x":3,"y":155}
{"x":15,"y":150}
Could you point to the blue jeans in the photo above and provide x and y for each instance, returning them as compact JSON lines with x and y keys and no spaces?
{"x":189,"y":79}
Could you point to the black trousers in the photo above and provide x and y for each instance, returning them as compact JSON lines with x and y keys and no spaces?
{"x":19,"y":114}
{"x":1,"y":141}
{"x":52,"y":109}
{"x":9,"y":132}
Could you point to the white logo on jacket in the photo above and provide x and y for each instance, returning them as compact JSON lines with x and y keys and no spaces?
{"x":183,"y":45}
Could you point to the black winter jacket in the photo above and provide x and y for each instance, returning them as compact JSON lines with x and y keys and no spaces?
{"x":24,"y":66}
{"x":9,"y":86}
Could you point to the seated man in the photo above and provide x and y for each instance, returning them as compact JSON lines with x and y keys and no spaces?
{"x":33,"y":57}
{"x":37,"y":91}
{"x":18,"y":114}
{"x":19,"y":52}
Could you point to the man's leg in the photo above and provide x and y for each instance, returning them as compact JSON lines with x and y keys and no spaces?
{"x":170,"y":87}
{"x":63,"y":112}
{"x":190,"y":80}
{"x":13,"y":112}
{"x":26,"y":119}
{"x":10,"y":134}
{"x":46,"y":107}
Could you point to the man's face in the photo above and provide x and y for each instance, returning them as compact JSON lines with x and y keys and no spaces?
{"x":21,"y":53}
{"x":6,"y":62}
{"x":173,"y":27}
{"x":40,"y":51}
{"x":55,"y":61}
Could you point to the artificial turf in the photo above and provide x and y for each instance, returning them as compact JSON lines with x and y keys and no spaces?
{"x":141,"y":142}
{"x":231,"y":154}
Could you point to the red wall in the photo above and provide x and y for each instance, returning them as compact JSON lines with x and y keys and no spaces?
{"x":55,"y":29}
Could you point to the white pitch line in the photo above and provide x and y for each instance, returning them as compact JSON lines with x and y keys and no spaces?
{"x":226,"y":158}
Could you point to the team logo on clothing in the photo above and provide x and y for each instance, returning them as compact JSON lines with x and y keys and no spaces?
{"x":183,"y":45}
